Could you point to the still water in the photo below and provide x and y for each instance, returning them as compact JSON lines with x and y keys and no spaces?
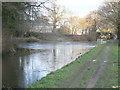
{"x":21,"y":70}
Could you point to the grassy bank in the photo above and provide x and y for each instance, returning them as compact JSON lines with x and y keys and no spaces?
{"x":109,"y":76}
{"x":64,"y":76}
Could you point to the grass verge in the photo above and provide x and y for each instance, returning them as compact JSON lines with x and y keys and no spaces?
{"x":109,"y":76}
{"x":90,"y":70}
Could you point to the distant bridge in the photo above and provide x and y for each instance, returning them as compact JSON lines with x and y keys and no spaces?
{"x":105,"y":35}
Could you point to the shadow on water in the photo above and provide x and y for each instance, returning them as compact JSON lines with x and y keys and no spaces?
{"x":21,"y":70}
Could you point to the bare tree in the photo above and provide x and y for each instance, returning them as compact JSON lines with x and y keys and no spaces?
{"x":109,"y":14}
{"x":56,"y":15}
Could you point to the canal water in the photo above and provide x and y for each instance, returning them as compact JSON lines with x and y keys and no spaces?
{"x":21,"y":70}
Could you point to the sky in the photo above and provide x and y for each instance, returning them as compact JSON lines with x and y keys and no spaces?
{"x":80,"y":7}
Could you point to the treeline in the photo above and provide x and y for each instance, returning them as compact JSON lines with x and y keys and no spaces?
{"x":18,"y":18}
{"x":105,"y":18}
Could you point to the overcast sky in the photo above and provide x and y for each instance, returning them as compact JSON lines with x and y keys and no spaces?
{"x":81,"y":7}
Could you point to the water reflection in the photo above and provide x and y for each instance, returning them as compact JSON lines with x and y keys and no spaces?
{"x":21,"y":70}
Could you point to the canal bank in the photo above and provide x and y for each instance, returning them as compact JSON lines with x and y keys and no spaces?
{"x":90,"y":67}
{"x":38,"y":37}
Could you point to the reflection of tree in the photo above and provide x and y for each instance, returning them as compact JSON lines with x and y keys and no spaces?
{"x":22,"y":62}
{"x":72,"y":51}
{"x":56,"y":15}
{"x":64,"y":54}
{"x":54,"y":56}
